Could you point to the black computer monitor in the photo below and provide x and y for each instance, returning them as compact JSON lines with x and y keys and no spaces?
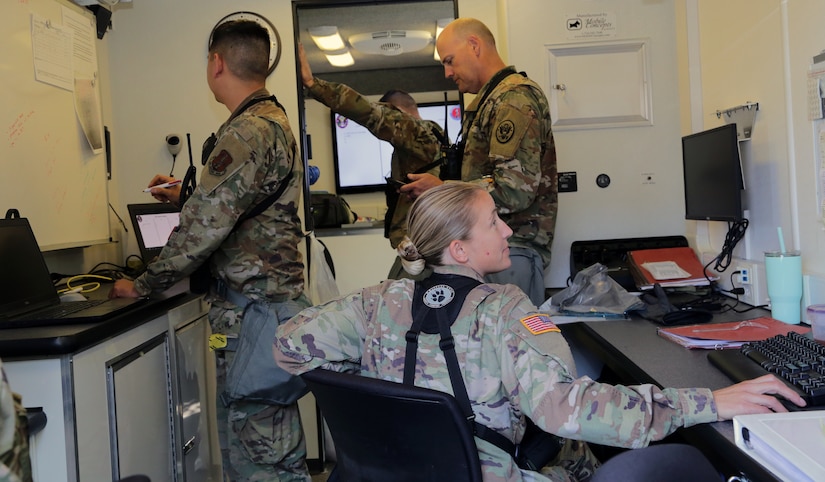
{"x":362,"y":162}
{"x":713,"y":175}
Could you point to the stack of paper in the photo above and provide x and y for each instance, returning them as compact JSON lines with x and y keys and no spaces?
{"x":791,"y":445}
{"x":716,"y":336}
{"x":669,"y":267}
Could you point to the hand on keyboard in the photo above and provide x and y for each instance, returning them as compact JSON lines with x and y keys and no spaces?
{"x":754,"y":396}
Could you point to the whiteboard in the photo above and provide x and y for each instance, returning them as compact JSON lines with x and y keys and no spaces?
{"x":48,"y":171}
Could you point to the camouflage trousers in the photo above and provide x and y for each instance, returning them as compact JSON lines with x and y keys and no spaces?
{"x":259,"y":442}
{"x":575,"y":463}
{"x":15,"y":464}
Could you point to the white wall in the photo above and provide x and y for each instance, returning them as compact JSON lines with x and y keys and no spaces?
{"x":760,"y":51}
{"x":627,"y":208}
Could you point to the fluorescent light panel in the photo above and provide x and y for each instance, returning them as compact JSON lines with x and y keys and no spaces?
{"x":327,"y":38}
{"x":340,"y":59}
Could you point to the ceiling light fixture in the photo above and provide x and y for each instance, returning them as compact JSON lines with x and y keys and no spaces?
{"x":327,"y":38}
{"x":340,"y":59}
{"x":439,"y":27}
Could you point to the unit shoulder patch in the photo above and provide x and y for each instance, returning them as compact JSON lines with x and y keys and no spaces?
{"x":505,"y":131}
{"x":219,"y":164}
{"x":510,"y":128}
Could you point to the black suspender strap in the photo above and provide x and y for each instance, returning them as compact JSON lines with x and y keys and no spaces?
{"x":445,"y":318}
{"x":447,"y":345}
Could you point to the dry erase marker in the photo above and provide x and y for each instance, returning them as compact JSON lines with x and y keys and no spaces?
{"x":165,"y":184}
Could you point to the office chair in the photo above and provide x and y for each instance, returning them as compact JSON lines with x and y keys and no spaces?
{"x":384,"y":430}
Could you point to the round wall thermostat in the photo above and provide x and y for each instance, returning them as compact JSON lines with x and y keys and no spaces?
{"x":603,"y":180}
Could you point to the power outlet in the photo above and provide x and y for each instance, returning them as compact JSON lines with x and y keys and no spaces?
{"x":750,"y":277}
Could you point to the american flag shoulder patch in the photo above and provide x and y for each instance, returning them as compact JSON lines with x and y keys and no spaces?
{"x":539,"y":323}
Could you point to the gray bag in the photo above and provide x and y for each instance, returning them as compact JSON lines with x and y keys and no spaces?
{"x":254,"y":375}
{"x":594,"y":293}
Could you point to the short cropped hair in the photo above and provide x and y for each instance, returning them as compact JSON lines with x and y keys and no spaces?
{"x":399,"y":98}
{"x":244,"y":45}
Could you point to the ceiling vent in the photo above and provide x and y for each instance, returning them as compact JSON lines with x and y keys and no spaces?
{"x":390,"y":42}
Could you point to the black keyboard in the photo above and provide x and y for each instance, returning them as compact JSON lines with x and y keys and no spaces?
{"x":796,"y":359}
{"x":61,"y":310}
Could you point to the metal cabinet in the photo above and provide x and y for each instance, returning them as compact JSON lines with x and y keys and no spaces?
{"x":137,"y":403}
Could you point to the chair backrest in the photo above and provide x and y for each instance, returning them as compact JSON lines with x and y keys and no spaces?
{"x":384,"y":430}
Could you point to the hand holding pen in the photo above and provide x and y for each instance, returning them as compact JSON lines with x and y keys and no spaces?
{"x":164,"y":188}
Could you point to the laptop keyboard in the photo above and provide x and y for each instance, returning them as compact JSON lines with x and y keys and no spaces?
{"x":61,"y":310}
{"x":796,"y":359}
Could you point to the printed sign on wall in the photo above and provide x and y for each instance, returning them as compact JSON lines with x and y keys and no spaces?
{"x":591,"y":25}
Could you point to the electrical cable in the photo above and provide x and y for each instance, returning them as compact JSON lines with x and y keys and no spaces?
{"x":172,"y":171}
{"x":85,"y":287}
{"x":189,"y":183}
{"x":736,"y":231}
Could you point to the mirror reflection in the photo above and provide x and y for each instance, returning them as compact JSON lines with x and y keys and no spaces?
{"x":372,"y":48}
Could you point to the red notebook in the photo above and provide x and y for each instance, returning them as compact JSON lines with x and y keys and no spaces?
{"x":729,"y":335}
{"x":683,"y":256}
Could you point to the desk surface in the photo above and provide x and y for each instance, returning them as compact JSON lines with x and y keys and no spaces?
{"x":64,"y":339}
{"x":637,"y":354}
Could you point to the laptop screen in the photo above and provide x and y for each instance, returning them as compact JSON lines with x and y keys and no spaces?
{"x":153,"y":224}
{"x":26,"y":281}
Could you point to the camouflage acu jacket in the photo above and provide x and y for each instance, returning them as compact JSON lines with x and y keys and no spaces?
{"x":509,"y":148}
{"x":254,"y":153}
{"x":509,"y":372}
{"x":415,"y":146}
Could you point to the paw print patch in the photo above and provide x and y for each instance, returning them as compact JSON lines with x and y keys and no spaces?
{"x":439,"y":296}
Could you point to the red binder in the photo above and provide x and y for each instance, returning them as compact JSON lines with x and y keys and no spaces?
{"x":684,"y":256}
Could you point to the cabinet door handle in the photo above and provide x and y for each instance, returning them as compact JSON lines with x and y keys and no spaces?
{"x":189,"y":445}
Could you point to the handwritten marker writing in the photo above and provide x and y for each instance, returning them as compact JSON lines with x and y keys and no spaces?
{"x":165,"y":184}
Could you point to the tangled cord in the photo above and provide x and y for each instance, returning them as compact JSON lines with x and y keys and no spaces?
{"x":736,"y":231}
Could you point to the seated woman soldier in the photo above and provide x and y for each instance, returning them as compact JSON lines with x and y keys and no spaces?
{"x":513,"y":360}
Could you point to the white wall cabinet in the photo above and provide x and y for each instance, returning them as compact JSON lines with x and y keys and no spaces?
{"x":136,"y":403}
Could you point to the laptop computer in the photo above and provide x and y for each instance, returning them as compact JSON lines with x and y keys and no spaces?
{"x":28,"y":296}
{"x":153,"y":224}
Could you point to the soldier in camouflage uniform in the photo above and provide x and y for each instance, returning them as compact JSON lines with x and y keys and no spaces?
{"x":508,"y":149}
{"x":514,"y":361}
{"x":15,"y":463}
{"x":259,"y":261}
{"x":395,"y":119}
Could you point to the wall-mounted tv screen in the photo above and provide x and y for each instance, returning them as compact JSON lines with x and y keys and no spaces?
{"x":362,"y":162}
{"x":713,"y":175}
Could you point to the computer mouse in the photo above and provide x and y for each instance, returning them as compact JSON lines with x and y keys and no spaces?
{"x":72,"y":297}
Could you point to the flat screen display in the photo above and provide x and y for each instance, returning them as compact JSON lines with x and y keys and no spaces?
{"x":713,"y":175}
{"x":362,"y":161}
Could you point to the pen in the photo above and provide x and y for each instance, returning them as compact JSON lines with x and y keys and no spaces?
{"x":165,"y":184}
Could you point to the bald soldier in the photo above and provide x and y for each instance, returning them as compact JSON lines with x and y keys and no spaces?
{"x":508,"y":148}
